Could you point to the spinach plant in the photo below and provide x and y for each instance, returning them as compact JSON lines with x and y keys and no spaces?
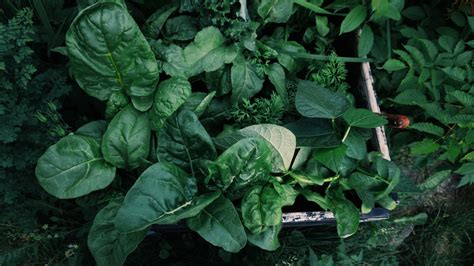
{"x":176,"y":153}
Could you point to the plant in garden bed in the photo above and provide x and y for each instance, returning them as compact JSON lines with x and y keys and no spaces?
{"x":430,"y":74}
{"x":175,"y":148}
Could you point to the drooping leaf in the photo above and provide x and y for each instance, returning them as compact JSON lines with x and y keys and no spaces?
{"x":220,"y":225}
{"x":315,"y":197}
{"x":107,"y":245}
{"x":102,"y":63}
{"x":268,"y":239}
{"x":276,"y":75}
{"x":126,"y":141}
{"x":171,"y":94}
{"x":162,"y":193}
{"x":261,"y":208}
{"x":466,"y":169}
{"x":363,"y":118}
{"x":183,"y":141}
{"x":354,"y":19}
{"x":346,"y":213}
{"x":366,"y":41}
{"x":282,"y":141}
{"x":314,"y":101}
{"x":74,"y":167}
{"x":245,"y":81}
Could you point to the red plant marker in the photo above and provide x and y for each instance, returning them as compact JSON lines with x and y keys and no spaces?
{"x":397,"y":121}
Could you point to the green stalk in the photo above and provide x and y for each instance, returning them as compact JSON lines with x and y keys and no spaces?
{"x":316,"y":9}
{"x":327,"y":58}
{"x":346,"y":134}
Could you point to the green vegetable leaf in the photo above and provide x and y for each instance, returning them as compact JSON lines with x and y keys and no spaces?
{"x":183,"y":141}
{"x":245,"y":162}
{"x":162,"y":194}
{"x":245,"y":81}
{"x":278,"y":11}
{"x":315,"y":101}
{"x":206,"y":54}
{"x":220,"y":225}
{"x":314,"y":132}
{"x":171,"y":94}
{"x":331,"y":157}
{"x":394,"y":65}
{"x":363,"y":118}
{"x":154,"y":24}
{"x":268,"y":239}
{"x":346,"y":213}
{"x":276,"y":75}
{"x":126,"y":141}
{"x":366,"y":41}
{"x":425,"y":146}
{"x":107,"y":245}
{"x":261,"y":208}
{"x":466,"y":169}
{"x":94,"y":129}
{"x":74,"y":167}
{"x":102,"y":63}
{"x":428,"y":128}
{"x":181,"y":28}
{"x":354,"y":19}
{"x":281,"y":140}
{"x":315,"y":197}
{"x":435,"y":180}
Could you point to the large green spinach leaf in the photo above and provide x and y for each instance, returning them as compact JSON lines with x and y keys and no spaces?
{"x":220,"y":225}
{"x":183,"y":141}
{"x":107,"y":245}
{"x":261,"y":208}
{"x":245,"y":80}
{"x":162,"y":193}
{"x":171,"y":94}
{"x":108,"y":53}
{"x":126,"y":141}
{"x":74,"y":167}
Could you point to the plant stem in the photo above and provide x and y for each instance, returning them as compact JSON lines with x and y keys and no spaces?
{"x":389,"y":40}
{"x":346,"y":134}
{"x":327,"y":58}
{"x":330,"y":179}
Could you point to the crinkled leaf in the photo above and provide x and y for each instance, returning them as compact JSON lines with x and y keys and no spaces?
{"x":183,"y":141}
{"x":282,"y":142}
{"x":126,"y":141}
{"x":261,"y":208}
{"x":74,"y":167}
{"x":171,"y":94}
{"x":102,"y":63}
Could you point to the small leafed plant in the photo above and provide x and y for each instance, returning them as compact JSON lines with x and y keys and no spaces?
{"x":176,"y":154}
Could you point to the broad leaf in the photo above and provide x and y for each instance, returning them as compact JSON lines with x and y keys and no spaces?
{"x":246,"y":162}
{"x":282,"y":142}
{"x":220,"y":225}
{"x":183,"y":141}
{"x":74,"y":167}
{"x":354,"y":19}
{"x":126,"y":141}
{"x":331,"y":157}
{"x":245,"y":81}
{"x":314,"y":132}
{"x":366,"y":41}
{"x":94,"y":129}
{"x":363,"y":118}
{"x":268,"y":239}
{"x":206,"y":54}
{"x":346,"y":213}
{"x":261,"y":208}
{"x":394,"y":65}
{"x":276,"y":75}
{"x":171,"y":94}
{"x":425,"y":146}
{"x":435,"y":180}
{"x":315,"y":101}
{"x":107,"y":245}
{"x":161,"y":193}
{"x":278,"y":11}
{"x":428,"y":128}
{"x":102,"y":63}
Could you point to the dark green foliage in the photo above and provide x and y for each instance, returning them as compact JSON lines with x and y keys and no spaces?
{"x":258,"y":111}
